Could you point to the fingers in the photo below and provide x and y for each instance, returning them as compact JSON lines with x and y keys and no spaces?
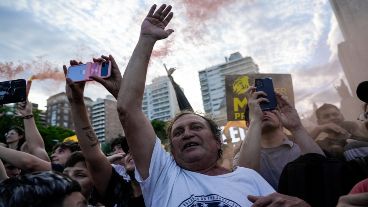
{"x":261,"y":201}
{"x":159,"y":11}
{"x":168,"y":19}
{"x":359,"y":199}
{"x":281,"y":100}
{"x":113,"y":62}
{"x":169,"y":32}
{"x":74,"y":62}
{"x":166,"y":11}
{"x":98,"y":79}
{"x":153,"y":8}
{"x":253,"y":198}
{"x":65,"y":70}
{"x":278,"y":113}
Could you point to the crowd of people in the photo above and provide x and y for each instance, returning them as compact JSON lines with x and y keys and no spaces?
{"x":280,"y":163}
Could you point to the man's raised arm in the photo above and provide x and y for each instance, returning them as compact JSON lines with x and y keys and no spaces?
{"x":290,"y":120}
{"x":97,"y":163}
{"x":139,"y":132}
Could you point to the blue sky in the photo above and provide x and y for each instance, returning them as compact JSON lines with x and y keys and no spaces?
{"x":282,"y":36}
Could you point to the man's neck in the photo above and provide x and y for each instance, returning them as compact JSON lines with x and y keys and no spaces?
{"x":273,"y":138}
{"x":214,"y":170}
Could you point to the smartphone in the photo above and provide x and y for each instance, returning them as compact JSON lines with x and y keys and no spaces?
{"x":266,"y":85}
{"x":82,"y":72}
{"x":13,"y":91}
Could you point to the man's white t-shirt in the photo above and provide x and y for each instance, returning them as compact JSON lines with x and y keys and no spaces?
{"x":172,"y":186}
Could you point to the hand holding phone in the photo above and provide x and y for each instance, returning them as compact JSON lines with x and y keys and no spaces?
{"x":266,"y":85}
{"x":82,"y":72}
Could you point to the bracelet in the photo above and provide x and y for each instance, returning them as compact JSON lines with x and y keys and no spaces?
{"x":28,"y":116}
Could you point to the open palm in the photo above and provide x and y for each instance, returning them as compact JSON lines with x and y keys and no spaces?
{"x":156,"y":21}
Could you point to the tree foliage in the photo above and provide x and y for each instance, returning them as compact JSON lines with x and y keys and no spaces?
{"x":160,"y":129}
{"x":50,"y":134}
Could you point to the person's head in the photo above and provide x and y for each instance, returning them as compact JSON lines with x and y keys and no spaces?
{"x":62,"y":151}
{"x":362,"y":91}
{"x":270,"y":121}
{"x":119,"y":145}
{"x":15,"y":134}
{"x":41,"y":189}
{"x":76,"y":168}
{"x":195,"y":140}
{"x":329,"y":113}
{"x":11,"y":170}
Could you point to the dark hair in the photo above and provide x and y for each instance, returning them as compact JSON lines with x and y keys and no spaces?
{"x":37,"y":189}
{"x":324,"y":107}
{"x":120,"y":141}
{"x":20,"y":132}
{"x":72,"y":146}
{"x":216,"y":131}
{"x":74,"y":158}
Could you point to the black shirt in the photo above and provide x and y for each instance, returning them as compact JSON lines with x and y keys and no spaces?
{"x":119,"y":193}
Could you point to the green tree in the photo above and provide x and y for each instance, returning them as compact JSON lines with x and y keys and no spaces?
{"x":50,"y":134}
{"x":160,"y":129}
{"x":7,"y":120}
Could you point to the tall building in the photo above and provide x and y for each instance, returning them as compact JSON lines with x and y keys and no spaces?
{"x":212,"y":82}
{"x":58,"y":110}
{"x":105,"y":119}
{"x":352,"y":17}
{"x":42,"y":114}
{"x":159,"y":100}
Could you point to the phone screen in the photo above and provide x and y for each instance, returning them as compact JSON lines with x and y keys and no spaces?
{"x":12,"y":91}
{"x":77,"y":72}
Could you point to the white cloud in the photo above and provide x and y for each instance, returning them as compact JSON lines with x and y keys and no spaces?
{"x":334,"y":37}
{"x":280,"y":35}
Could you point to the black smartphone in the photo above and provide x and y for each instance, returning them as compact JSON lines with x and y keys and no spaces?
{"x":266,"y":85}
{"x":13,"y":91}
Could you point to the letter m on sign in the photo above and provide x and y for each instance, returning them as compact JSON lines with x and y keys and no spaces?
{"x":239,"y":104}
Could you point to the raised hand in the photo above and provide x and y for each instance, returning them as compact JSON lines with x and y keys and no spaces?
{"x":287,"y":114}
{"x":254,"y":99}
{"x":24,"y":108}
{"x":112,"y":83}
{"x":74,"y":90}
{"x":154,"y":24}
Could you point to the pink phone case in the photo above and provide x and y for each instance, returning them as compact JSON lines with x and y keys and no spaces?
{"x":89,"y":69}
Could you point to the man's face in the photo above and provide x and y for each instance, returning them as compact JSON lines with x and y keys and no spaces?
{"x":270,"y":121}
{"x":60,"y":156}
{"x":193,"y":145}
{"x":80,"y":173}
{"x":330,"y":115}
{"x":75,"y":199}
